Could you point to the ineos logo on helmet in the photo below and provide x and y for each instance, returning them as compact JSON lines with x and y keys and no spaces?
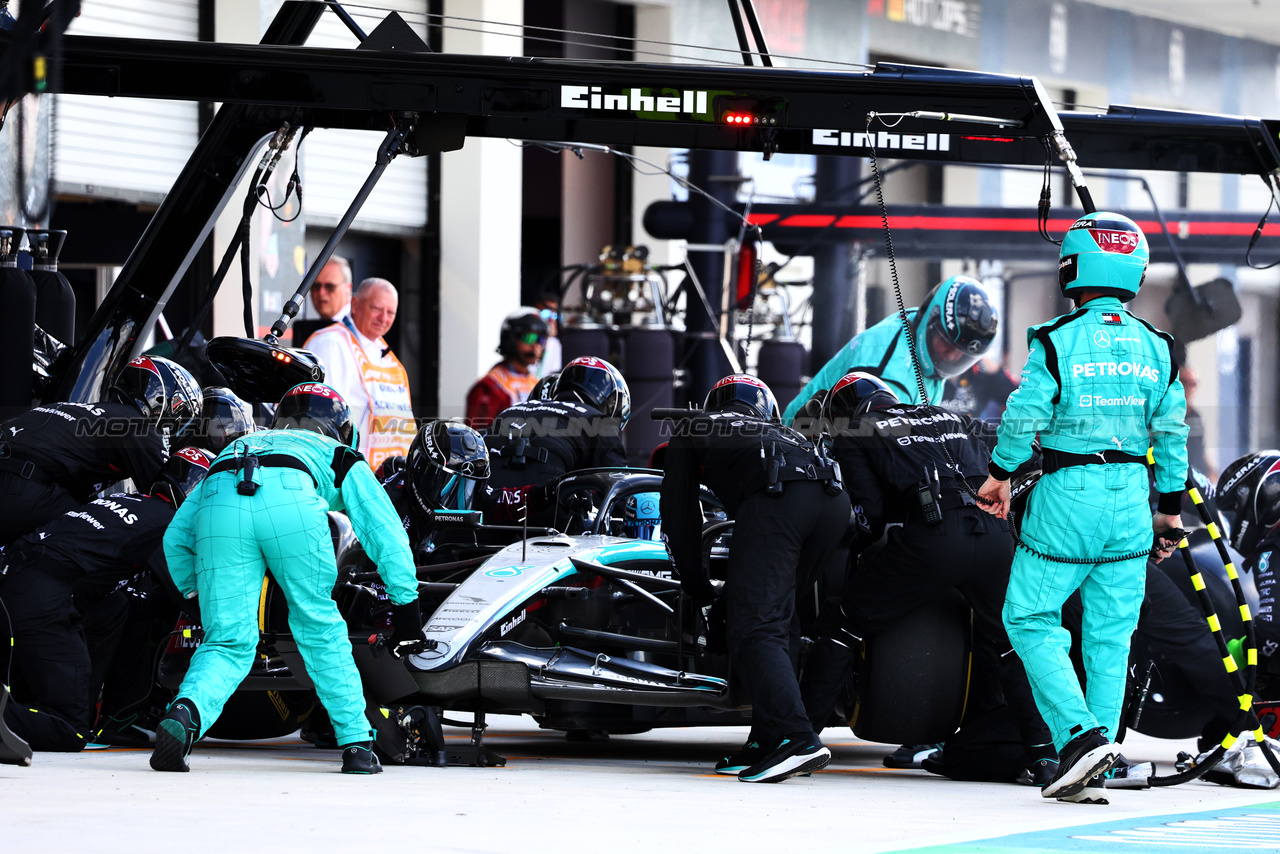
{"x":1124,"y":242}
{"x":745,"y":394}
{"x":314,"y":388}
{"x":196,"y":456}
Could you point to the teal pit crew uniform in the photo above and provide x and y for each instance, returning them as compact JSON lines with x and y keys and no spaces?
{"x":221,"y":543}
{"x":1098,"y":386}
{"x":953,"y":327}
{"x":882,"y":350}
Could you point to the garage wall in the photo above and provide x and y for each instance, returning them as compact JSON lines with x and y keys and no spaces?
{"x":126,"y":148}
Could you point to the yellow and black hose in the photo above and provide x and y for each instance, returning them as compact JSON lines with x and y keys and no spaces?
{"x":1243,"y":681}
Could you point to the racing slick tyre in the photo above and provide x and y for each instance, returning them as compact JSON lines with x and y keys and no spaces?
{"x":263,"y":714}
{"x":913,"y":676}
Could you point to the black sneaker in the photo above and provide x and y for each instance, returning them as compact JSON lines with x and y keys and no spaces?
{"x":1092,"y":793}
{"x":1038,"y":773}
{"x":798,"y":753}
{"x":736,"y":763}
{"x":360,"y":759}
{"x":175,"y":735}
{"x":1085,"y":757}
{"x":121,"y":732}
{"x":910,"y":755}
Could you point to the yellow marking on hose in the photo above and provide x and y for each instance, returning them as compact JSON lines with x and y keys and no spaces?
{"x":1151,"y":456}
{"x":1251,"y":656}
{"x":1259,"y":735}
{"x":1195,"y":495}
{"x":1182,"y":544}
{"x":1214,"y":625}
{"x":1197,"y":581}
{"x":186,"y":633}
{"x":1244,"y":613}
{"x":1230,"y":664}
{"x":1228,"y":741}
{"x":1213,"y":530}
{"x":1246,"y":702}
{"x":1231,"y":572}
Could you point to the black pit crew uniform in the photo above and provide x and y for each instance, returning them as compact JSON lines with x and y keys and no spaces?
{"x":425,"y":536}
{"x":789,"y":512}
{"x":89,"y":549}
{"x":533,"y":443}
{"x":55,"y":457}
{"x":887,"y":455}
{"x":1262,"y":563}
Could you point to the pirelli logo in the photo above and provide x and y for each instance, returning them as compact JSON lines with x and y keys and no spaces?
{"x":883,"y":140}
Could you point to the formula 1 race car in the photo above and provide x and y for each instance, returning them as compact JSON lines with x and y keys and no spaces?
{"x":587,"y":633}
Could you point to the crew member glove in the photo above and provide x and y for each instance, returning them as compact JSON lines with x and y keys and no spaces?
{"x":406,"y":629}
{"x":699,"y":588}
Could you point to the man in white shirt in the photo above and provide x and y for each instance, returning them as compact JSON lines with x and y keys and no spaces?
{"x":360,"y":365}
{"x":331,"y":293}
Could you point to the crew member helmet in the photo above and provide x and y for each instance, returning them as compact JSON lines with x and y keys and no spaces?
{"x":182,"y":473}
{"x":954,"y":326}
{"x":318,"y":408}
{"x":164,"y":391}
{"x":1103,"y":252}
{"x":856,"y":393}
{"x":596,"y":383}
{"x":545,"y":388}
{"x":525,"y":326}
{"x":745,"y":394}
{"x":446,"y":462}
{"x":1249,"y":498}
{"x":224,"y":417}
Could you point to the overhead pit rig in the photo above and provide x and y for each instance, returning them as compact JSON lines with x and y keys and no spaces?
{"x":429,"y":102}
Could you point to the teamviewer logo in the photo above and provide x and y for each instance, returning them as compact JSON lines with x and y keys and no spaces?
{"x":1086,"y":400}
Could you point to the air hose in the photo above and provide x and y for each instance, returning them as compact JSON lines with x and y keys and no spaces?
{"x":1246,"y":720}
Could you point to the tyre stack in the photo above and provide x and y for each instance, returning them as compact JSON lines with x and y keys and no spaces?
{"x":780,"y":365}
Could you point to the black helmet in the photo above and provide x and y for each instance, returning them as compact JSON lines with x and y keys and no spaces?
{"x":1249,"y":498}
{"x":745,"y":394}
{"x":954,"y":326}
{"x":164,"y":391}
{"x":524,"y":326}
{"x":184,"y":470}
{"x":856,"y":393}
{"x":545,"y":388}
{"x":223,"y":419}
{"x":318,"y":408}
{"x":446,"y":461}
{"x":390,"y":467}
{"x":596,"y":383}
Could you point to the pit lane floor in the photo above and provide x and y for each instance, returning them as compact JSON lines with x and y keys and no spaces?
{"x":648,"y":792}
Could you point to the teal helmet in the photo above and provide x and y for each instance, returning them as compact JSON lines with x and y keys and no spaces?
{"x":954,"y":326}
{"x":1103,"y":252}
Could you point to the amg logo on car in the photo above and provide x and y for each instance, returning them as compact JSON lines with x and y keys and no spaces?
{"x":883,"y":140}
{"x":688,"y":101}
